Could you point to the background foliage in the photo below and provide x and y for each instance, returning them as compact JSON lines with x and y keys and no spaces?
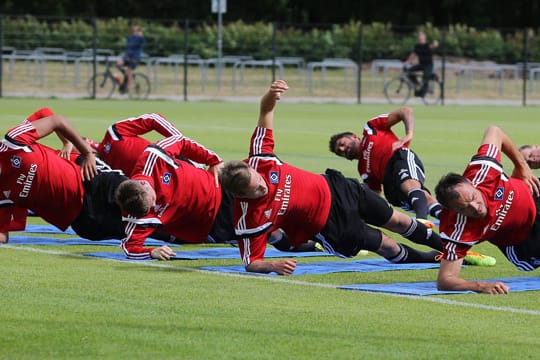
{"x":314,"y":42}
{"x":478,"y":13}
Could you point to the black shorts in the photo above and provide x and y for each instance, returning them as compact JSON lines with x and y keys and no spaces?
{"x":354,"y":206}
{"x":223,"y":227}
{"x":130,"y":62}
{"x":403,"y":165}
{"x":526,"y":255}
{"x":100,"y":217}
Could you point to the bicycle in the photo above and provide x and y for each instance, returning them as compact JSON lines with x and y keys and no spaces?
{"x":399,"y":89}
{"x":106,"y":83}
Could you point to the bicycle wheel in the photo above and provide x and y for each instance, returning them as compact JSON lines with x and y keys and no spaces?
{"x":433,"y":93}
{"x":140,"y":86}
{"x":105,"y":85}
{"x":397,"y":90}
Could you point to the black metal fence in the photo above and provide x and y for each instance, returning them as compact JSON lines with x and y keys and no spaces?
{"x":190,"y":60}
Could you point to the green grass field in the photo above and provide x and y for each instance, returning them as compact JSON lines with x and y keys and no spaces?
{"x":56,"y":304}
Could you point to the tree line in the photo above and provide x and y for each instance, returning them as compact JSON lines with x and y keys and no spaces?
{"x":478,"y":13}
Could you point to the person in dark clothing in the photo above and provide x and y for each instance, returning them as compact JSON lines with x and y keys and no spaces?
{"x":421,"y":59}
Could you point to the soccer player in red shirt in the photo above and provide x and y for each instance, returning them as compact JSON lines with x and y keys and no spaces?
{"x":271,"y":194}
{"x":34,"y":176}
{"x":484,"y":204}
{"x":386,"y":162}
{"x":123,"y":144}
{"x":174,"y":196}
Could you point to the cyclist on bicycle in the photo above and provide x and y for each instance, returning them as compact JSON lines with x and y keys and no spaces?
{"x":132,"y":55}
{"x":423,"y":53}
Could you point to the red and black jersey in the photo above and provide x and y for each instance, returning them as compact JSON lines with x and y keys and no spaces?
{"x":376,"y":151}
{"x":297,"y":201}
{"x":122,"y":145}
{"x":187,"y":198}
{"x":33,"y":176}
{"x":510,"y":204}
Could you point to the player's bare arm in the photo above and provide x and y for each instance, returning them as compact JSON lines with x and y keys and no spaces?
{"x":495,"y":135}
{"x":268,"y":102}
{"x":405,"y":115}
{"x":60,"y":125}
{"x":281,"y":267}
{"x":449,"y":280}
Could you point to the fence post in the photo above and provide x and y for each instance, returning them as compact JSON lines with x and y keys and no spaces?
{"x":94,"y":56}
{"x":186,"y":50}
{"x":525,"y":65}
{"x":360,"y":60}
{"x":443,"y":52}
{"x":274,"y":49}
{"x":1,"y":53}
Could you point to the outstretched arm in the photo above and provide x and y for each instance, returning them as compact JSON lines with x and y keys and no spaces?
{"x":494,"y":135}
{"x":61,"y":126}
{"x":268,"y":102}
{"x":405,"y":115}
{"x":449,"y":280}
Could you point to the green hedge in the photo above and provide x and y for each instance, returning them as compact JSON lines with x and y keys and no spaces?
{"x":314,"y":43}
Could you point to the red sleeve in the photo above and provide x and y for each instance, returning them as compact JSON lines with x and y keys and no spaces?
{"x":262,"y":142}
{"x":12,"y":218}
{"x":256,"y":247}
{"x":182,"y":146}
{"x":144,"y":124}
{"x":40,"y":114}
{"x":24,"y":133}
{"x":380,"y":122}
{"x":133,"y":243}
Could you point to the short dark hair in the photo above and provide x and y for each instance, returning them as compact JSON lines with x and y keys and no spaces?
{"x":526,"y":147}
{"x":235,"y":177}
{"x":131,"y":197}
{"x":445,"y":190}
{"x":335,"y":138}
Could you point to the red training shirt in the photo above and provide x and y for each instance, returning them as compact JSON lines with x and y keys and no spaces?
{"x":297,"y":201}
{"x":511,"y":208}
{"x":187,"y":198}
{"x":376,"y":151}
{"x":33,"y":176}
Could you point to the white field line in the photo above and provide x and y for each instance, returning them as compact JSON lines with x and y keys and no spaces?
{"x":280,"y":279}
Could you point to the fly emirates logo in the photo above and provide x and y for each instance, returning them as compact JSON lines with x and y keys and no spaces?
{"x":26,"y":181}
{"x":502,"y":211}
{"x":366,"y":154}
{"x":284,"y":195}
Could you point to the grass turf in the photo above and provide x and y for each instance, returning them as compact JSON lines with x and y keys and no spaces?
{"x":59,"y":306}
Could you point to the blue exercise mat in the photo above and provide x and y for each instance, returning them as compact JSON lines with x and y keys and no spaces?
{"x":38,"y":240}
{"x":212,"y":253}
{"x":366,"y":265}
{"x":47,"y":229}
{"x":523,"y":283}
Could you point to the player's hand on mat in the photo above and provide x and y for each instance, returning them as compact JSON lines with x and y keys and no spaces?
{"x":4,"y":237}
{"x":494,"y":288}
{"x":162,"y":253}
{"x":216,"y":170}
{"x":284,"y":267}
{"x":88,"y":166}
